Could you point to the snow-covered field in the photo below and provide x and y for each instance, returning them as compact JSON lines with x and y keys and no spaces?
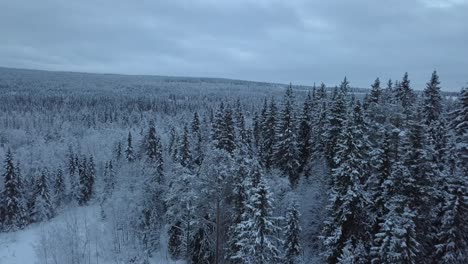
{"x":24,"y":246}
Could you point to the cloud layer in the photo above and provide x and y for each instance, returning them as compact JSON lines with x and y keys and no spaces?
{"x":267,"y":40}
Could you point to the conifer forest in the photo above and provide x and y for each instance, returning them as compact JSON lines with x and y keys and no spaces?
{"x":102,"y":168}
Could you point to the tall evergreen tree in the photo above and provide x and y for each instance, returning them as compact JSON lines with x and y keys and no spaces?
{"x":460,"y":127}
{"x":268,"y":128}
{"x":185,"y":152}
{"x":198,"y":140}
{"x":348,"y":200}
{"x":404,"y":94}
{"x":292,"y":235}
{"x":375,"y":93}
{"x":452,"y":238}
{"x":286,"y":149}
{"x":258,"y":229}
{"x":432,"y":100}
{"x":13,"y":206}
{"x":336,"y":123}
{"x":59,"y":188}
{"x":43,"y":206}
{"x":305,"y":132}
{"x":129,"y":154}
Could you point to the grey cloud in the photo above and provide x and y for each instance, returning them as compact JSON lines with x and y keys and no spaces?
{"x":279,"y":41}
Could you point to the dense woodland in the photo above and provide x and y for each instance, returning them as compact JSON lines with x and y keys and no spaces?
{"x":221,"y":171}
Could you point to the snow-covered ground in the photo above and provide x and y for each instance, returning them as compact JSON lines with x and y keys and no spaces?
{"x":24,"y":246}
{"x":18,"y":247}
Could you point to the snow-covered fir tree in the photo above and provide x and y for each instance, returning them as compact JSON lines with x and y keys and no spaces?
{"x":258,"y":231}
{"x":286,"y":148}
{"x":292,"y":244}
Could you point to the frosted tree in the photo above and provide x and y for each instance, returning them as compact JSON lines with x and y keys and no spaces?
{"x":336,"y":123}
{"x":258,"y":230}
{"x":348,"y":200}
{"x":129,"y":153}
{"x":173,"y":144}
{"x":292,"y":232}
{"x":405,"y":95}
{"x":59,"y":188}
{"x":432,"y":108}
{"x":86,"y":172}
{"x":12,"y":202}
{"x":452,"y":238}
{"x":286,"y":149}
{"x":225,"y":132}
{"x":185,"y":153}
{"x":305,"y":132}
{"x":268,"y":132}
{"x":375,"y":93}
{"x":181,"y":211}
{"x":43,"y":206}
{"x":197,"y":139}
{"x":459,"y":125}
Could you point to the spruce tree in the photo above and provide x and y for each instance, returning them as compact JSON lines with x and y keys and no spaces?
{"x":286,"y":149}
{"x":129,"y":155}
{"x":13,"y":205}
{"x":225,"y":131}
{"x":59,"y":188}
{"x":404,"y":95}
{"x":43,"y":206}
{"x":432,"y":100}
{"x":268,"y":128}
{"x":336,"y":123}
{"x":459,"y":125}
{"x":173,"y":144}
{"x":348,"y":200}
{"x":292,"y":246}
{"x":397,"y":239}
{"x":375,"y":93}
{"x":305,"y":132}
{"x":258,"y":241}
{"x":197,"y":139}
{"x":452,"y":238}
{"x":185,"y":154}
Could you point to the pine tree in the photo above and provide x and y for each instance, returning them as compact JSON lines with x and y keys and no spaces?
{"x":13,"y":206}
{"x":258,"y":229}
{"x":305,"y":132}
{"x":286,"y":149}
{"x":336,"y":122}
{"x":225,"y":133}
{"x":185,"y":154}
{"x":173,"y":144}
{"x":239,"y":197}
{"x":292,"y":235}
{"x":268,"y":128}
{"x":84,"y":182}
{"x":452,"y":246}
{"x":375,"y":93}
{"x":129,"y":155}
{"x":198,"y":140}
{"x":319,"y":121}
{"x":151,"y":144}
{"x":348,"y":200}
{"x":59,"y":188}
{"x":43,"y":207}
{"x":109,"y":180}
{"x":404,"y":94}
{"x":459,"y":125}
{"x":432,"y":100}
{"x":118,"y":151}
{"x":181,"y":212}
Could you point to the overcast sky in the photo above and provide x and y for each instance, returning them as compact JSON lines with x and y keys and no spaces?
{"x":299,"y":41}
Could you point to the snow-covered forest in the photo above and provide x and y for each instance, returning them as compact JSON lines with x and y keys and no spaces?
{"x":147,"y":169}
